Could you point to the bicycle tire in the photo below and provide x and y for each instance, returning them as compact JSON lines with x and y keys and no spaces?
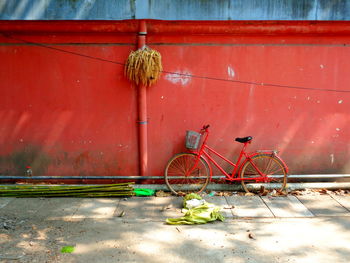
{"x":269,"y":165}
{"x":175,"y":174}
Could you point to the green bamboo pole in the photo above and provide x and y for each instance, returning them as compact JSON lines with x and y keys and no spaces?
{"x":125,"y":193}
{"x":62,"y":186}
{"x":66,"y":190}
{"x":121,"y":189}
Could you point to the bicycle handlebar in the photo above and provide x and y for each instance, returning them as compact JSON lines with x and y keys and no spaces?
{"x":205,"y":127}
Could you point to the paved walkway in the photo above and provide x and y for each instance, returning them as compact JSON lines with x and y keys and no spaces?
{"x":257,"y":229}
{"x":159,"y":208}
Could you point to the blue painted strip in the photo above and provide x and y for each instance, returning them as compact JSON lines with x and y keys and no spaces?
{"x":174,"y":10}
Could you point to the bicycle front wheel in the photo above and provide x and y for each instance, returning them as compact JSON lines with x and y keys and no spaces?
{"x":182,"y":177}
{"x":274,"y":171}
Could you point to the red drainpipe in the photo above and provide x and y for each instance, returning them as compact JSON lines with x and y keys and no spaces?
{"x":142,"y":108}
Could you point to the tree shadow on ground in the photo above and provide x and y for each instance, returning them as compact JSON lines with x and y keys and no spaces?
{"x":40,"y":234}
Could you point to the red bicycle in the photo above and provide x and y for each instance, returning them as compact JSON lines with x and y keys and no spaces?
{"x":191,"y":172}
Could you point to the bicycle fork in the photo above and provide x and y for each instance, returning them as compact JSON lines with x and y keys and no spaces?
{"x":188,"y":173}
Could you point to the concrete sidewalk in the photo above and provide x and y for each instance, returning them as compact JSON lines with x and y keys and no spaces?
{"x":307,"y":228}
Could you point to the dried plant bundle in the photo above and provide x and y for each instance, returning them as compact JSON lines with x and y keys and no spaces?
{"x":105,"y":190}
{"x":144,"y":66}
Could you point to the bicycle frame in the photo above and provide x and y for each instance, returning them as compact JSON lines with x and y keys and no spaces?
{"x":205,"y":149}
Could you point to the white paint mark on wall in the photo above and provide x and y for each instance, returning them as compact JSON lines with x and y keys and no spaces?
{"x":230,"y":72}
{"x":308,"y":98}
{"x":340,"y":101}
{"x":337,"y":129}
{"x":318,"y":101}
{"x":179,"y":77}
{"x":332,"y":158}
{"x":162,"y":97}
{"x":322,"y":66}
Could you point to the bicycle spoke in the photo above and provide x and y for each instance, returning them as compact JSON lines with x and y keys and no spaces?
{"x":269,"y":166}
{"x":278,"y":169}
{"x":181,"y":173}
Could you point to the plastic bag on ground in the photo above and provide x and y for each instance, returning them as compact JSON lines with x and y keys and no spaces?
{"x":144,"y":192}
{"x":201,"y":214}
{"x":194,"y":203}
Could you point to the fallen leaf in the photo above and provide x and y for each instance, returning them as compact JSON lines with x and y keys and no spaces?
{"x":263,"y":191}
{"x":322,"y":191}
{"x":273,"y":193}
{"x":167,"y":207}
{"x":251,"y":236}
{"x":296,"y":192}
{"x":67,"y":249}
{"x":161,"y":193}
{"x":122,"y":214}
{"x":278,"y":193}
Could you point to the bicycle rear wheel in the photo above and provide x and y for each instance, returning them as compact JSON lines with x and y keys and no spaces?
{"x":273,"y":169}
{"x":178,"y":178}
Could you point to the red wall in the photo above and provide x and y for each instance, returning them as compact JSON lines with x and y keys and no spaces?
{"x":68,"y":114}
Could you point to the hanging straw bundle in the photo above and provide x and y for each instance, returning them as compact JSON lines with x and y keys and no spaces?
{"x":143,"y":66}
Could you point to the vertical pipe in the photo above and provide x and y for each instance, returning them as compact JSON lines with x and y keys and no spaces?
{"x":142,"y":108}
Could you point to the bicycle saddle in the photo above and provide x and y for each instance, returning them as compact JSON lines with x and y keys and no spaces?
{"x":244,"y":139}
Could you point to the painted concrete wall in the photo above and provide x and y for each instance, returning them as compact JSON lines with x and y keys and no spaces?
{"x":65,"y":114}
{"x":67,"y":109}
{"x":175,"y":10}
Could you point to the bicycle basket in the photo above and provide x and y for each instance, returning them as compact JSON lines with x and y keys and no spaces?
{"x":192,"y":139}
